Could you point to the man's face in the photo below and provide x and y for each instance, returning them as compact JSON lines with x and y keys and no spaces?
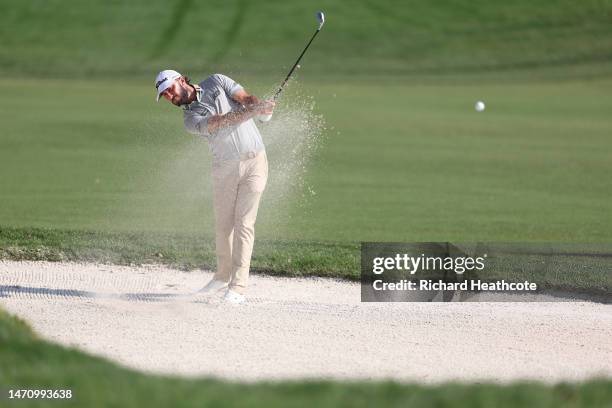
{"x":177,"y":92}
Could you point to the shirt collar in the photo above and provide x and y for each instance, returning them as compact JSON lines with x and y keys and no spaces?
{"x":198,"y":89}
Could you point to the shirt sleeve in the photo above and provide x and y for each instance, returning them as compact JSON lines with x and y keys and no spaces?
{"x":197,"y":123}
{"x":228,"y":84}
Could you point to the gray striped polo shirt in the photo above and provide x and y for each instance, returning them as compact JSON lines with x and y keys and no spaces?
{"x":214,"y":98}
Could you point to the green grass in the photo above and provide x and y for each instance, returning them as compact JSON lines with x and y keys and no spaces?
{"x":570,"y":268}
{"x":188,"y":251}
{"x":522,"y":38}
{"x":30,"y":362}
{"x":404,"y":157}
{"x":396,"y":163}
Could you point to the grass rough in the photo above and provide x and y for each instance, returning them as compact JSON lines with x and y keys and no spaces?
{"x":30,"y":362}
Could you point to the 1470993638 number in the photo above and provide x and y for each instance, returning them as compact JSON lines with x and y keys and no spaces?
{"x":39,"y":394}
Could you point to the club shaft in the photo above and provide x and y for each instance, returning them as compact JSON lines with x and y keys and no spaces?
{"x":280,"y":89}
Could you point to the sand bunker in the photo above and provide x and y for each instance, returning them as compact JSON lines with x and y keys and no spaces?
{"x":301,"y":328}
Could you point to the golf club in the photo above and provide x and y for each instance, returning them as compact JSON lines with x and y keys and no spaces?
{"x":321,"y":20}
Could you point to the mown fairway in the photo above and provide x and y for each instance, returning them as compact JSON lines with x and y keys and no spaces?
{"x":403,"y":156}
{"x":397,"y":162}
{"x":416,"y":38}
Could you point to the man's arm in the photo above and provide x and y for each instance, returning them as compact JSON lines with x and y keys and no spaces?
{"x":252,"y":106}
{"x":242,"y":97}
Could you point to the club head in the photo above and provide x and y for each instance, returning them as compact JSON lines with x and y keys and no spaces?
{"x":320,"y":18}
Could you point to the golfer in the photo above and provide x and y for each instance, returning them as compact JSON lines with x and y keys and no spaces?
{"x":222,"y":111}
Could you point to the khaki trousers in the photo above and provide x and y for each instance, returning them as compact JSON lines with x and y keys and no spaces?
{"x":237,"y":189}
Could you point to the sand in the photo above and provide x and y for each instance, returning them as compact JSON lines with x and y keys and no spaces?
{"x":301,"y":328}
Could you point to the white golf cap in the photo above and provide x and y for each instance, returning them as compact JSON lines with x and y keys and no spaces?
{"x":164,"y":80}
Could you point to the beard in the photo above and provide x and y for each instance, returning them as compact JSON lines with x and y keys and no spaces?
{"x":181,"y":98}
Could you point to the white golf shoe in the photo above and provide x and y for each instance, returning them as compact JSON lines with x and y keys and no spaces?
{"x":212,"y":287}
{"x":234,"y":297}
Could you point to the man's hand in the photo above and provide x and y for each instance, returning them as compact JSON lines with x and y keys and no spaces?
{"x":253,"y":103}
{"x":266,"y":107}
{"x":248,"y":100}
{"x":252,"y":106}
{"x":236,"y":117}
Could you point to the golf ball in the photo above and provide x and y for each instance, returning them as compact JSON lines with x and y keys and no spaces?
{"x":480,"y":106}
